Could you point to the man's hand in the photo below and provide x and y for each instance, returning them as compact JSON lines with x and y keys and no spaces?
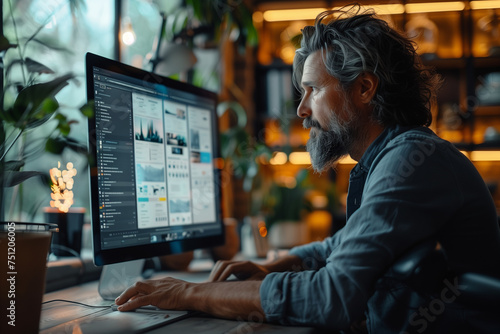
{"x":230,"y":300}
{"x":247,"y":270}
{"x":166,"y":293}
{"x":243,"y":270}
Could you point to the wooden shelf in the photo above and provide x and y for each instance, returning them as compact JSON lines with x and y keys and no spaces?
{"x":445,"y":63}
{"x":486,"y":62}
{"x":490,"y":146}
{"x":487,"y":111}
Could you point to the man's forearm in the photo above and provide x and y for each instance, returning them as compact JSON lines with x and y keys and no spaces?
{"x":230,"y":299}
{"x":286,"y":263}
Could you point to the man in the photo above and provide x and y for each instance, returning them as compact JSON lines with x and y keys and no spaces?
{"x":364,"y":93}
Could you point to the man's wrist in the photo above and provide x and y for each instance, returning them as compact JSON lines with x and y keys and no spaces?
{"x":286,"y":263}
{"x":191,"y":299}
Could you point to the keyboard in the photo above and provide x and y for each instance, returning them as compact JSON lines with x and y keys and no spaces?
{"x":62,"y":317}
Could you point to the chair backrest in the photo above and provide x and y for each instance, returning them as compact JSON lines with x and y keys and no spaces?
{"x":479,"y":290}
{"x":424,"y":268}
{"x":419,"y":281}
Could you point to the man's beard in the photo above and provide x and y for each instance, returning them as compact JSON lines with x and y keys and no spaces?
{"x":327,"y":147}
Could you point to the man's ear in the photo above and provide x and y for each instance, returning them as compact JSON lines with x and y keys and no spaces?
{"x":367,"y":84}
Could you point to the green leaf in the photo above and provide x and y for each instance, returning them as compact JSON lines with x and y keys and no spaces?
{"x":37,"y":122}
{"x":48,"y":107}
{"x":36,"y":67}
{"x":14,"y":165}
{"x":5,"y":44}
{"x":55,"y":145}
{"x":227,"y":148}
{"x":6,"y":115}
{"x":31,"y":98}
{"x":198,"y":10}
{"x":88,"y":109}
{"x":246,"y":25}
{"x":63,"y":127}
{"x":237,"y":109}
{"x":13,"y":178}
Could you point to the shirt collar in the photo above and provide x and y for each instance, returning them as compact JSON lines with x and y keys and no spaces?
{"x":377,"y":146}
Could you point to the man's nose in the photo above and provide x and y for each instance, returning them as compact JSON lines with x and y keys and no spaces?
{"x":303,"y":110}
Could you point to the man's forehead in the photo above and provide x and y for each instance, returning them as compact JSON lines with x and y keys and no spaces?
{"x":314,"y":68}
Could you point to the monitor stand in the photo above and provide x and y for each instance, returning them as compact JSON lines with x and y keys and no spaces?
{"x":117,"y":277}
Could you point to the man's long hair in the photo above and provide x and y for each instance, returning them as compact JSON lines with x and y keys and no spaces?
{"x":355,"y":42}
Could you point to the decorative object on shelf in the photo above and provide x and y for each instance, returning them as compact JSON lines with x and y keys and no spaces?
{"x":450,"y":114}
{"x":254,"y":241}
{"x":285,"y":211}
{"x":488,"y":92}
{"x":492,"y":136}
{"x":491,"y":25}
{"x":286,"y":234}
{"x":62,"y":187}
{"x":319,"y":220}
{"x":68,"y":241}
{"x":424,"y":32}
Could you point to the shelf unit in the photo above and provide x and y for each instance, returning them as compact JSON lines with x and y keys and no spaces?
{"x":461,"y":59}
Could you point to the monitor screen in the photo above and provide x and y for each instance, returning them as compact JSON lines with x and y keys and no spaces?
{"x":153,"y":142}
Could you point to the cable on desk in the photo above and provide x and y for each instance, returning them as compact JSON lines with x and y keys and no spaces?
{"x":73,"y":302}
{"x":73,"y":253}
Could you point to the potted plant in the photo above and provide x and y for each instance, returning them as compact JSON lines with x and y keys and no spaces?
{"x":285,"y":207}
{"x":300,"y":212}
{"x":28,"y":103}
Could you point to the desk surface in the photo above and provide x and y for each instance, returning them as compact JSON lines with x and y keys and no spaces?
{"x":87,"y":293}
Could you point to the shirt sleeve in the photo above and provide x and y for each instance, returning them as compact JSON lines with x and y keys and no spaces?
{"x":314,"y":254}
{"x":409,"y":193}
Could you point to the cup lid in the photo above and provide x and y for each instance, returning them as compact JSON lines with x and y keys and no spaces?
{"x":8,"y":226}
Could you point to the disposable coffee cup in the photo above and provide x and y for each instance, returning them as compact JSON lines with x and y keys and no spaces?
{"x":24,"y":248}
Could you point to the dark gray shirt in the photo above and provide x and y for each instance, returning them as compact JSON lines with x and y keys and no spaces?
{"x":409,"y":185}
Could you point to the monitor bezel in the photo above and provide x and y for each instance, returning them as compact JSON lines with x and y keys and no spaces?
{"x":116,"y":255}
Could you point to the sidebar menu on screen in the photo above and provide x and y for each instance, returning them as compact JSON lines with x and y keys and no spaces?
{"x":115,"y":158}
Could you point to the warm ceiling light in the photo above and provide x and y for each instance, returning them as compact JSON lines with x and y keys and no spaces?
{"x":484,"y":4}
{"x":292,"y":14}
{"x":300,"y":158}
{"x":383,"y":9}
{"x":428,"y":7}
{"x":389,"y":9}
{"x":311,"y":13}
{"x":279,"y":158}
{"x":347,"y":161}
{"x":258,"y":17}
{"x":466,"y":153}
{"x":485,"y":155}
{"x":128,"y":34}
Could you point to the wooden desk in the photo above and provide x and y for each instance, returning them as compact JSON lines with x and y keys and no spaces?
{"x":87,"y":293}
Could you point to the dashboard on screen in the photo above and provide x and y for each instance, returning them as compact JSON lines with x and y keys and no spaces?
{"x":153,"y":141}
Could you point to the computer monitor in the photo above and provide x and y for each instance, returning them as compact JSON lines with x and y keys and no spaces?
{"x":154,"y":185}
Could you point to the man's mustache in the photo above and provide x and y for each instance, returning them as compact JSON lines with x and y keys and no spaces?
{"x":309,"y":123}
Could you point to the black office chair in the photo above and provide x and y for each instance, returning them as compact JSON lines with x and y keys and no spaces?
{"x":418,"y":294}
